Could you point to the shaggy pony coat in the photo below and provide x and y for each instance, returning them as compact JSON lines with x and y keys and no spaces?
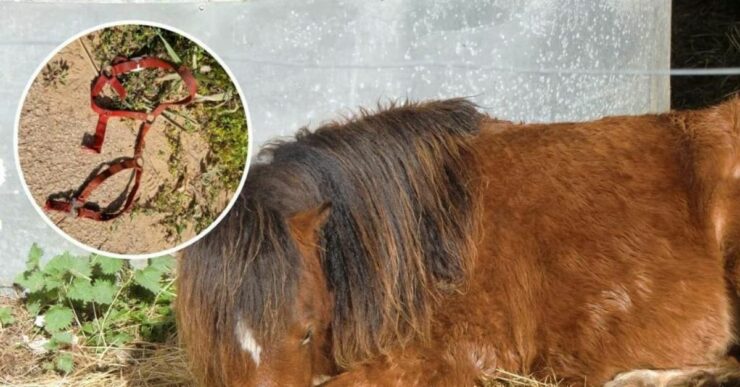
{"x":455,"y":246}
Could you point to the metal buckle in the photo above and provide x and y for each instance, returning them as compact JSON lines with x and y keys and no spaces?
{"x":138,"y":68}
{"x":107,"y":71}
{"x":74,"y":207}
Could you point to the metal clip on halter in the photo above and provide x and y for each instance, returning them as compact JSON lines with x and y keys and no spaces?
{"x":138,"y":67}
{"x":74,"y":207}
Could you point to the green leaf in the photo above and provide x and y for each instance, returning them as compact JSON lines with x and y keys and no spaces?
{"x":81,"y":267}
{"x":138,"y":315}
{"x":33,"y":281}
{"x":34,"y":257}
{"x":51,"y":345}
{"x":58,"y":265}
{"x":103,"y":292}
{"x":163,"y":264}
{"x":115,"y":314}
{"x":120,"y":338}
{"x":62,"y":338}
{"x":66,"y":263}
{"x":52,"y":283}
{"x":64,"y":363}
{"x":88,"y":327}
{"x":33,"y":308}
{"x":148,"y":278}
{"x":58,"y":318}
{"x":173,"y":55}
{"x":6,"y":316}
{"x":109,"y":265}
{"x":81,"y":290}
{"x":166,"y":297}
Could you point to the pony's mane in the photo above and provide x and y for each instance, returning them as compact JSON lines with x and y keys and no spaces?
{"x":399,"y":233}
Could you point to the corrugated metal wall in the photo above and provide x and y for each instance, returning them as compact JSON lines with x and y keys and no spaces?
{"x":302,"y":62}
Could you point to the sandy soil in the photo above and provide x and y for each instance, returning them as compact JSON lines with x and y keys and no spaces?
{"x":53,"y":122}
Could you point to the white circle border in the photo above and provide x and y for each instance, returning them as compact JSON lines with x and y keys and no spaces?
{"x":91,"y":249}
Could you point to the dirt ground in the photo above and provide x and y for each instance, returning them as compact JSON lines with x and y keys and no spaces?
{"x":54,"y":120}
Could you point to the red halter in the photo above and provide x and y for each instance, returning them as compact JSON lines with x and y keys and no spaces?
{"x":77,"y":205}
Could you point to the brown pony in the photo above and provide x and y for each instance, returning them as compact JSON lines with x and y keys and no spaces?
{"x":428,"y":244}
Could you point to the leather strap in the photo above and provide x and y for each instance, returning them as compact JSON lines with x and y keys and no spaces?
{"x":77,"y":206}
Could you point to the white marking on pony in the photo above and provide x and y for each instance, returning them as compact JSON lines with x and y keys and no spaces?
{"x":736,"y":173}
{"x":658,"y":378}
{"x":319,"y":380}
{"x":247,"y":341}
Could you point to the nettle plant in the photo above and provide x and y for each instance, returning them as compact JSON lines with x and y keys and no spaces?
{"x":96,"y":302}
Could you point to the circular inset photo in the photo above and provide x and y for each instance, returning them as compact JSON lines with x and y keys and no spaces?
{"x":132,"y":140}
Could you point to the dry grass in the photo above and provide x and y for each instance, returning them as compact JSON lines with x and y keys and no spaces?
{"x":138,"y":364}
{"x":509,"y":379}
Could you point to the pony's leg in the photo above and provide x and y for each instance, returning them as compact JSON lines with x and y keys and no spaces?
{"x":687,"y":377}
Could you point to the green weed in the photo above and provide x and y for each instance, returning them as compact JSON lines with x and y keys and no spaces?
{"x":6,"y":317}
{"x":55,"y":72}
{"x":96,"y":301}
